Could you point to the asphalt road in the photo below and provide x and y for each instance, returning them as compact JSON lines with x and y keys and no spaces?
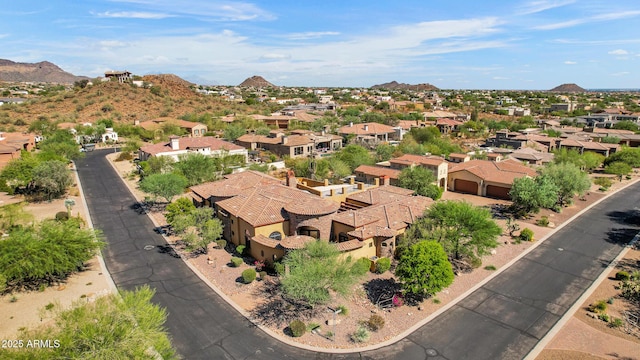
{"x":502,"y":320}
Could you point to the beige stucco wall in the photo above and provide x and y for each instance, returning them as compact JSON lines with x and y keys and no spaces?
{"x":464,"y":175}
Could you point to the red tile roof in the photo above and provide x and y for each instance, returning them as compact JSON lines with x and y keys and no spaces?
{"x":234,"y":184}
{"x":380,"y":195}
{"x":188,"y":143}
{"x":502,"y":172}
{"x":295,"y":241}
{"x":378,"y":171}
{"x":349,"y":245}
{"x":411,"y":159}
{"x":371,"y":129}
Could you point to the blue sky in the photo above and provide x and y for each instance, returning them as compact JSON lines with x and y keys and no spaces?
{"x":455,"y":44}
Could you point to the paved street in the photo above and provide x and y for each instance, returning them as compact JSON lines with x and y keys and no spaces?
{"x":502,"y":320}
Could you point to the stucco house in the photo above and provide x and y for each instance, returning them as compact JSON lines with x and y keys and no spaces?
{"x":176,"y":146}
{"x":487,"y":178}
{"x":436,"y":164}
{"x":193,"y":129}
{"x":368,"y":132}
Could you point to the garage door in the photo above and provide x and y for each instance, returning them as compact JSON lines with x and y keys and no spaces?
{"x":466,"y":186}
{"x":498,"y":192}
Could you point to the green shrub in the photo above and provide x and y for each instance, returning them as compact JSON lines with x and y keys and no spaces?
{"x":62,"y":216}
{"x":279,"y":268}
{"x":263,"y":275}
{"x":476,"y":262}
{"x":360,"y":335}
{"x":616,"y":323}
{"x":240,"y":249}
{"x":603,"y":317}
{"x":313,"y":326}
{"x":436,"y":301}
{"x":344,"y":311}
{"x":221,"y":243}
{"x":382,"y":265}
{"x":610,"y":301}
{"x":375,"y":322}
{"x":248,"y":275}
{"x":361,"y":266}
{"x":49,"y":306}
{"x":622,"y":276}
{"x":124,"y":156}
{"x":298,"y":328}
{"x":599,"y":306}
{"x":236,"y":261}
{"x":543,"y":221}
{"x":490,"y":267}
{"x":526,"y":234}
{"x":603,"y":182}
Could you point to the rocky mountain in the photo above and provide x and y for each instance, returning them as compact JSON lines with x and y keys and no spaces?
{"x":256,"y":82}
{"x":42,"y":72}
{"x":394,"y":85}
{"x":568,"y":88}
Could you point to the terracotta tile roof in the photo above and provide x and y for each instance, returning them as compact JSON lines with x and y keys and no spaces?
{"x":408,"y":124}
{"x":367,"y":232}
{"x":590,"y":145}
{"x":382,"y":194}
{"x":502,"y":172}
{"x":156,"y":123}
{"x":266,"y":205}
{"x":295,"y":241}
{"x":377,"y":171}
{"x":458,"y":156}
{"x":349,"y":245}
{"x":531,"y":154}
{"x":234,"y":184}
{"x":438,"y":114}
{"x":322,"y":224}
{"x":411,"y":159}
{"x":612,"y":131}
{"x":371,"y":129}
{"x":266,"y":241}
{"x":188,"y":143}
{"x":448,"y":122}
{"x":292,"y":140}
{"x":354,"y":218}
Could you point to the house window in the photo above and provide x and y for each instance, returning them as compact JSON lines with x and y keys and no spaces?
{"x":276,"y":235}
{"x":370,"y":244}
{"x":342,"y":237}
{"x":262,"y":253}
{"x":309,"y":232}
{"x":299,"y":150}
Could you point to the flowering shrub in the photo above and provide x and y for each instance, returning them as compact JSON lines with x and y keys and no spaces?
{"x":397,"y":300}
{"x":259,"y":264}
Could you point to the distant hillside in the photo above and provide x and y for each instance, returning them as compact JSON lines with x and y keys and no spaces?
{"x":394,"y":85}
{"x":256,"y":82}
{"x":568,"y":88}
{"x":42,"y":72}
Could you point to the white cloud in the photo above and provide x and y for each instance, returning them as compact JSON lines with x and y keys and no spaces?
{"x":541,"y":5}
{"x":618,"y":52}
{"x":591,"y":19}
{"x":568,"y":62}
{"x":2,"y":36}
{"x":310,"y":35}
{"x":500,"y":78}
{"x":132,"y":15}
{"x":206,"y":10}
{"x":622,"y":73}
{"x":274,"y":56}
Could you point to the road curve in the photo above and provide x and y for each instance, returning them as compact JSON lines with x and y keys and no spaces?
{"x":504,"y":319}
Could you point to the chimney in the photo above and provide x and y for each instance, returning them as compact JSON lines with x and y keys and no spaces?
{"x":351,"y":124}
{"x":386,"y":180}
{"x":283,"y":140}
{"x":175,"y":142}
{"x":366,"y":128}
{"x":291,"y":179}
{"x":136,"y":122}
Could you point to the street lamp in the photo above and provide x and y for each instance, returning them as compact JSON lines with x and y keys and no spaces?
{"x":335,"y":312}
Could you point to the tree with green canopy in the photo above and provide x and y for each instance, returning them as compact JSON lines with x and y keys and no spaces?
{"x":424,"y":269}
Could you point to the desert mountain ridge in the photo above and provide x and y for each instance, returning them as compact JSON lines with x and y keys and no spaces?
{"x":256,"y":82}
{"x":41,"y":72}
{"x":568,"y":88}
{"x":394,"y":85}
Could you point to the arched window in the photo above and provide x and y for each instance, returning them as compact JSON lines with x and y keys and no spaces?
{"x":276,"y":235}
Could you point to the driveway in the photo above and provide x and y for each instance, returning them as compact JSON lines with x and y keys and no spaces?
{"x":502,"y":320}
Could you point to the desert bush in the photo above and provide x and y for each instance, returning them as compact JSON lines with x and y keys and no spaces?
{"x":344,"y":311}
{"x":543,"y":221}
{"x":375,"y":322}
{"x":604,"y":317}
{"x":313,"y":326}
{"x":622,"y":276}
{"x":490,"y":267}
{"x":240,"y":249}
{"x":236,"y":261}
{"x":598,"y":307}
{"x":382,"y":265}
{"x":62,"y":216}
{"x":360,"y":335}
{"x":248,"y":275}
{"x":298,"y":328}
{"x":221,"y":243}
{"x":526,"y":234}
{"x":603,"y":182}
{"x":124,"y":156}
{"x":616,"y":322}
{"x":361,"y":266}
